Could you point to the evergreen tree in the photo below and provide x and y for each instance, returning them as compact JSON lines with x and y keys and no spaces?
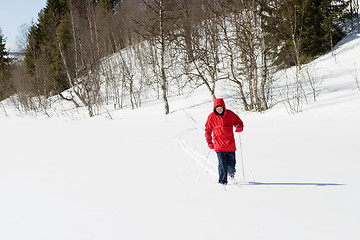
{"x":52,"y":36}
{"x":5,"y":86}
{"x":306,"y":28}
{"x":321,"y":31}
{"x":42,"y":55}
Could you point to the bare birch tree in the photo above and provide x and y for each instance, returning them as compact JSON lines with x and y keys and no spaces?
{"x":247,"y":52}
{"x":157,"y":29}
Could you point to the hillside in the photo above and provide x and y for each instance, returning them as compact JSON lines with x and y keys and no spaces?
{"x":144,"y":175}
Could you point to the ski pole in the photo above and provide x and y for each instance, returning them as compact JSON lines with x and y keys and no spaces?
{"x":204,"y":166}
{"x":242,"y":159}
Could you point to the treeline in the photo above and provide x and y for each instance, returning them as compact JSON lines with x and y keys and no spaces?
{"x":5,"y":62}
{"x":162,"y":46}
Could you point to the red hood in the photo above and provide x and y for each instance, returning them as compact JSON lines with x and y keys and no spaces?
{"x":219,"y":102}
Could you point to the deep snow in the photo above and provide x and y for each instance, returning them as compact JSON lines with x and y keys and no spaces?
{"x":144,"y":175}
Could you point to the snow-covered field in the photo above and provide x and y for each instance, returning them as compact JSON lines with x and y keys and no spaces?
{"x":144,"y":175}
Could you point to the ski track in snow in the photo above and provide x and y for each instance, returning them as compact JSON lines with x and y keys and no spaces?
{"x":127,"y":179}
{"x":200,"y":159}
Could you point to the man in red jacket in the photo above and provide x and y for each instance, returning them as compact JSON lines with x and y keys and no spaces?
{"x":219,"y":135}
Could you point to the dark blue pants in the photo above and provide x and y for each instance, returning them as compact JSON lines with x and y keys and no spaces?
{"x":227,"y":164}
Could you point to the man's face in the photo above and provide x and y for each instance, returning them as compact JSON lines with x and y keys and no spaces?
{"x":219,"y":109}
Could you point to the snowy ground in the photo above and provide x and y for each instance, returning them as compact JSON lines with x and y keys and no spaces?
{"x":144,"y":175}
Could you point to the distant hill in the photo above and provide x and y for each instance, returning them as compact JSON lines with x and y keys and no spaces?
{"x":17,"y":56}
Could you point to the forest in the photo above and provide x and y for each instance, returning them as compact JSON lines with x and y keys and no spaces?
{"x":95,"y":53}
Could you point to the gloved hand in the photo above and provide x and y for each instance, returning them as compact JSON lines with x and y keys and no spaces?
{"x":211,"y":145}
{"x":239,"y":128}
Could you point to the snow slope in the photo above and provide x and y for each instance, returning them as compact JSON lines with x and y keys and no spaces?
{"x":144,"y":175}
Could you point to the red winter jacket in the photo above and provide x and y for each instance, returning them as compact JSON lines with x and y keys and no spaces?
{"x":219,"y":129}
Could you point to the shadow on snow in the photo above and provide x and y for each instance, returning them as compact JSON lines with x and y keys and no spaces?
{"x":294,"y":184}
